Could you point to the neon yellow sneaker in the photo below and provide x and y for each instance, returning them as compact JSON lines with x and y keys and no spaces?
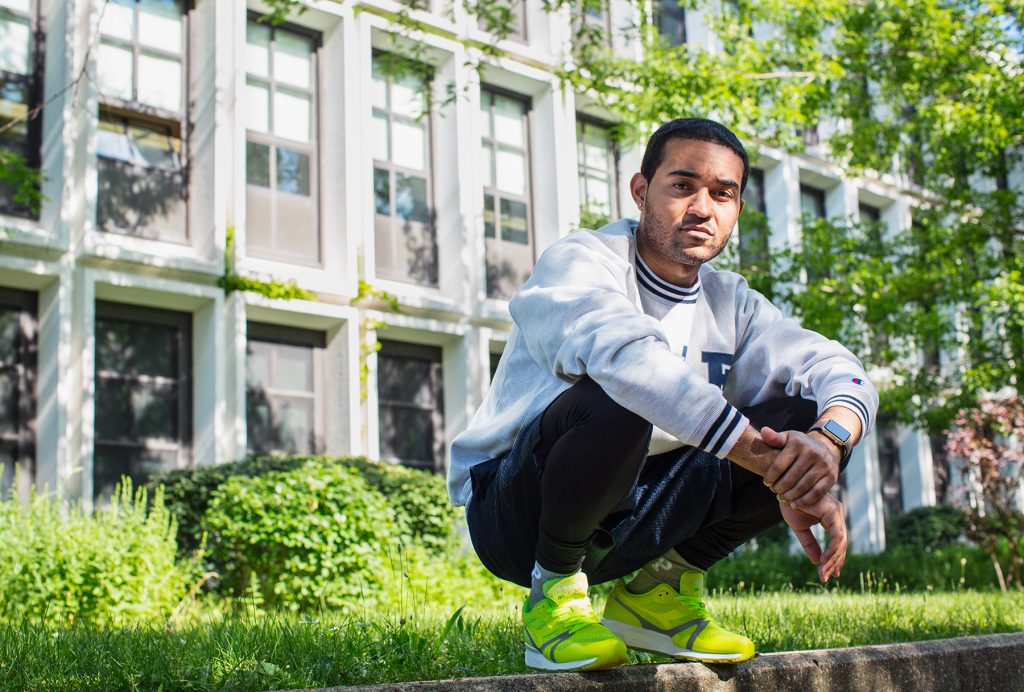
{"x":674,"y":623}
{"x":564,"y":633}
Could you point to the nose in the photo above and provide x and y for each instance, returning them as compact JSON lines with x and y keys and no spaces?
{"x":700,"y":203}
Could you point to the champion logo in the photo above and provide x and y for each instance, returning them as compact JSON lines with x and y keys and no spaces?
{"x":857,"y":380}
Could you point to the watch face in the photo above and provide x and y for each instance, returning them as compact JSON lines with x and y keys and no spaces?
{"x":841,"y":433}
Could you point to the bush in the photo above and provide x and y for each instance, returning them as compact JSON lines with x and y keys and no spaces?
{"x":315,"y":535}
{"x":117,"y":564}
{"x":926,"y":527}
{"x":419,"y":498}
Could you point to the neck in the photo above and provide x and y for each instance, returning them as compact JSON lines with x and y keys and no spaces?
{"x":676,"y":273}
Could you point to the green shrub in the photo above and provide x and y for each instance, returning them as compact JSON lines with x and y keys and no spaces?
{"x":419,"y":498}
{"x":117,"y":564}
{"x":926,"y":527}
{"x":315,"y":535}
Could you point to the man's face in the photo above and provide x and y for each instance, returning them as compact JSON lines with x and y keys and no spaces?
{"x":690,"y":206}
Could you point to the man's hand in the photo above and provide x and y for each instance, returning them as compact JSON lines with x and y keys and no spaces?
{"x":805,"y":468}
{"x":830,"y":514}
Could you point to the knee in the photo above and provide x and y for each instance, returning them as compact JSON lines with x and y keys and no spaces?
{"x":604,"y":414}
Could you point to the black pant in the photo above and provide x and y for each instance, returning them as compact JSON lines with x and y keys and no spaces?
{"x":592,"y":452}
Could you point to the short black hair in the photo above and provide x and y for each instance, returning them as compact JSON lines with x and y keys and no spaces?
{"x":691,"y":128}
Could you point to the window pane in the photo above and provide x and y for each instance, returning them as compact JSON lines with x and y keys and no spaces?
{"x":110,"y":463}
{"x":17,"y":5}
{"x":114,"y":71}
{"x":380,"y":137}
{"x":8,"y":402}
{"x":257,"y":164}
{"x":160,"y":24}
{"x":488,"y":216}
{"x":293,"y":424}
{"x":15,"y":37}
{"x":155,"y":411}
{"x":258,"y":219}
{"x":292,"y":172}
{"x":293,"y":62}
{"x":113,"y":142}
{"x":381,"y":191}
{"x":292,"y":115}
{"x":257,"y":49}
{"x":257,"y":101}
{"x":379,"y":86}
{"x":812,"y":202}
{"x":160,"y":82}
{"x":597,"y":148}
{"x":508,"y":121}
{"x":156,"y":149}
{"x":294,"y":368}
{"x":132,"y":349}
{"x":411,"y":198}
{"x":511,"y":170}
{"x":257,"y":364}
{"x":598,"y":196}
{"x":410,"y":143}
{"x":753,"y":195}
{"x":486,"y":100}
{"x":513,"y":222}
{"x":407,"y":434}
{"x":488,"y":154}
{"x":405,"y":380}
{"x":407,"y":96}
{"x":119,"y":19}
{"x":296,"y":225}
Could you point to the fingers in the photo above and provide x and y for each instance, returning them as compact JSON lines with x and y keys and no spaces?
{"x":814,"y":495}
{"x":774,"y":474}
{"x":833,"y":520}
{"x":810,"y":545}
{"x":774,"y":439}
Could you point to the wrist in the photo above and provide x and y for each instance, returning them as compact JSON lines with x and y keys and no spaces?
{"x":838,"y":450}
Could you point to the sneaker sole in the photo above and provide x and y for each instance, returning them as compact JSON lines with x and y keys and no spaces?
{"x":658,"y":643}
{"x":538,"y":661}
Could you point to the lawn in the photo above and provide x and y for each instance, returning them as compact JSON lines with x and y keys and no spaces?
{"x":251,"y":651}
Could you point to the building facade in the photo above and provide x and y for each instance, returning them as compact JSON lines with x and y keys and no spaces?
{"x":174,"y":135}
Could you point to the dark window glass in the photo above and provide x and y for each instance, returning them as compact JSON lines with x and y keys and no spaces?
{"x":411,"y":409}
{"x":670,"y":21}
{"x":21,"y":79}
{"x":283,"y":367}
{"x":754,"y":231}
{"x":143,"y":403}
{"x":886,"y":431}
{"x":257,"y":164}
{"x":18,"y":358}
{"x":812,"y":202}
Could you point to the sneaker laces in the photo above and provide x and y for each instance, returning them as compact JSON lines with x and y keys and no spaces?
{"x":694,"y":603}
{"x":575,"y":614}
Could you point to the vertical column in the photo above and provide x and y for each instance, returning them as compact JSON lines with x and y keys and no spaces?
{"x":208,"y":390}
{"x":53,"y":364}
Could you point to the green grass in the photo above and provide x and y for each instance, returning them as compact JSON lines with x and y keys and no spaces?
{"x":247,"y":652}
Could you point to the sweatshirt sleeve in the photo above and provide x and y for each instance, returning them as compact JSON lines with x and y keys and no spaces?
{"x":576,"y":319}
{"x":775,"y":355}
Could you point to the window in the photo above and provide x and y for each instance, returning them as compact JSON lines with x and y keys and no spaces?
{"x":493,"y":361}
{"x":754,"y":231}
{"x":143,"y":400}
{"x":871,"y":215}
{"x":406,"y":245}
{"x":812,"y":202}
{"x":598,"y":172}
{"x":142,"y":171}
{"x":18,"y":344}
{"x":511,"y":13}
{"x":21,"y":74}
{"x":282,"y":209}
{"x":670,"y":21}
{"x":411,"y":404}
{"x":889,"y":466}
{"x":284,"y":368}
{"x":507,"y":228}
{"x":591,"y":17}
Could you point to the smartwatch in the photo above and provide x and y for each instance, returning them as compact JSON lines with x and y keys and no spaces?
{"x":839,"y":435}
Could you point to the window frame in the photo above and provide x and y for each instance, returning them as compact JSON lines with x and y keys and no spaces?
{"x":123,"y":312}
{"x":316,"y":341}
{"x":393,"y":169}
{"x":496,"y":194}
{"x":582,"y":122}
{"x":434,"y":355}
{"x":132,"y":112}
{"x":272,"y":141}
{"x":32,"y":144}
{"x":25,"y":363}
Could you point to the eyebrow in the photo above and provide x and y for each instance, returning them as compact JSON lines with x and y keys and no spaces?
{"x":683,"y":173}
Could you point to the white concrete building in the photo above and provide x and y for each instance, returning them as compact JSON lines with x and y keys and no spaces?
{"x":165,"y":126}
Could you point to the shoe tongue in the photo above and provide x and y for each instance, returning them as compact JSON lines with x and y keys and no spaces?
{"x":562,"y":589}
{"x":691,"y":584}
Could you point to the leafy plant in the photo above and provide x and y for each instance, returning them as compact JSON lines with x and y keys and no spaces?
{"x":926,"y":527}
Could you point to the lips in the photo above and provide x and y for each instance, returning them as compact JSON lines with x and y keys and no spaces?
{"x":703,"y":230}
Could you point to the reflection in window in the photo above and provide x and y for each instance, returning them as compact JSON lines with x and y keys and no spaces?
{"x":282,"y":217}
{"x":143,"y":412}
{"x":18,"y":357}
{"x":20,"y":90}
{"x":670,"y":21}
{"x":141,"y":179}
{"x":283,"y":378}
{"x":507,"y":227}
{"x":812,"y":202}
{"x":597,"y":173}
{"x":411,"y":404}
{"x":405,"y":236}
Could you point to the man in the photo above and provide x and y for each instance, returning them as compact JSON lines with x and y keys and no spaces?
{"x":652,"y":413}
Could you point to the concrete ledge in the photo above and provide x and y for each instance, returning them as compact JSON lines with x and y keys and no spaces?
{"x":987,"y":662}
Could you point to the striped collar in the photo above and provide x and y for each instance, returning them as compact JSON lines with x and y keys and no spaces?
{"x":652,"y":283}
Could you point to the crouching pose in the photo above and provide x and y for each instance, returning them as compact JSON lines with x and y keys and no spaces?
{"x":652,"y":413}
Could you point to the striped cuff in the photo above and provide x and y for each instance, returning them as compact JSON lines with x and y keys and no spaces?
{"x":854,"y":404}
{"x":724,"y":432}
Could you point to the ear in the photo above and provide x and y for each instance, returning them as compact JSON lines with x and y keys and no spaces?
{"x":638,"y":188}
